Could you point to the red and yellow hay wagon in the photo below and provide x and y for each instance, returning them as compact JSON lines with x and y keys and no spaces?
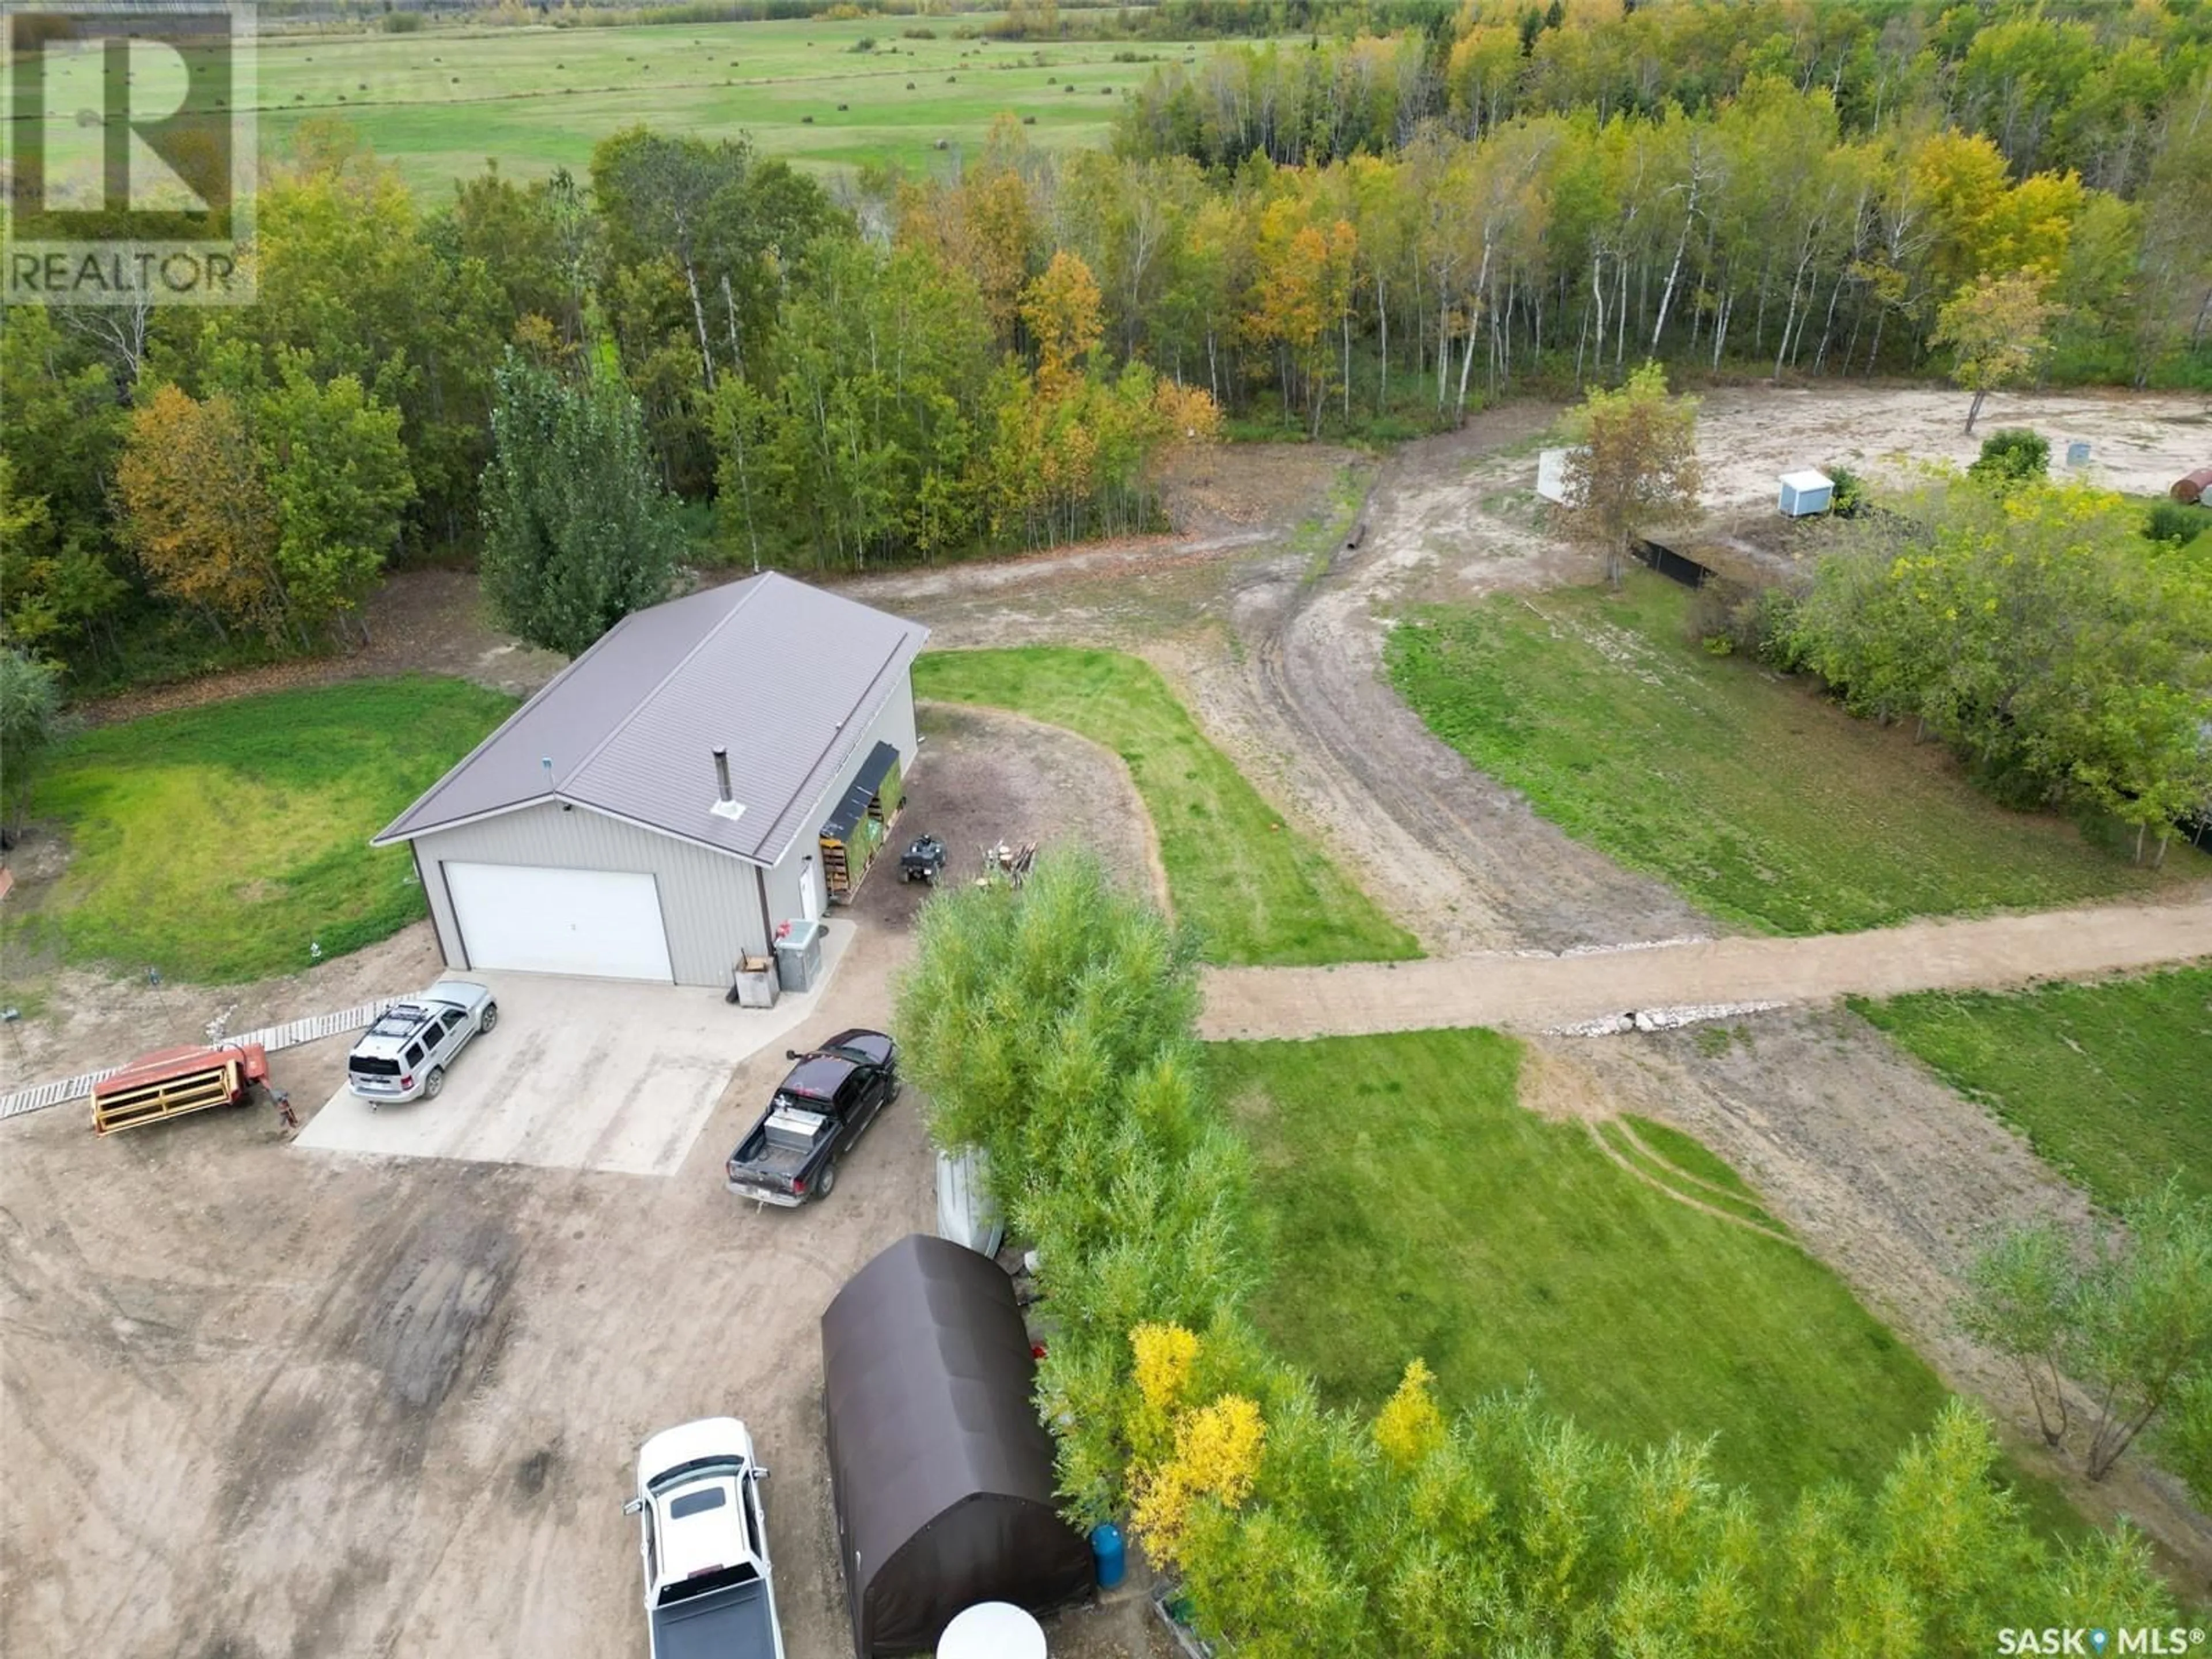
{"x":175,"y":1081}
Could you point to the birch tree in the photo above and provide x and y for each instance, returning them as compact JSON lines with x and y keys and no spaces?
{"x":1995,"y":328}
{"x":1634,"y":464}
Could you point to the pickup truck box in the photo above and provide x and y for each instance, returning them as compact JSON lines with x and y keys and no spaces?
{"x":703,"y":1535}
{"x":813,"y":1119}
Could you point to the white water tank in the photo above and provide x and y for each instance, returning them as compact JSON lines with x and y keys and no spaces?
{"x":992,"y":1629}
{"x":965,"y":1213}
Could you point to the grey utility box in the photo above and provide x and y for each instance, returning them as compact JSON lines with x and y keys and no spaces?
{"x":799,"y":955}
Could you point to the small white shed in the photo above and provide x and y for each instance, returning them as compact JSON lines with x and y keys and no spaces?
{"x":1807,"y":492}
{"x":1552,"y":475}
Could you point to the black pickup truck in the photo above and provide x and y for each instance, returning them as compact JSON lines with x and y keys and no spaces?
{"x":815,"y":1115}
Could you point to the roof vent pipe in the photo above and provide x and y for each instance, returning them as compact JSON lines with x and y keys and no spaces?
{"x":723,"y":772}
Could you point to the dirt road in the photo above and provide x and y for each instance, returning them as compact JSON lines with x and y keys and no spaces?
{"x":1546,"y":993}
{"x":1461,"y":857}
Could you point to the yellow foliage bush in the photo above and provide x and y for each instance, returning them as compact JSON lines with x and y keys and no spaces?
{"x":1187,"y":413}
{"x":1217,"y":1456}
{"x":1410,"y":1425}
{"x":1164,"y":1356}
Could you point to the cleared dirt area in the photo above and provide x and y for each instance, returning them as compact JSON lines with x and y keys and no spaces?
{"x":82,"y":1020}
{"x":261,"y":1401}
{"x":420,"y":622}
{"x":988,"y":778}
{"x":2139,"y":442}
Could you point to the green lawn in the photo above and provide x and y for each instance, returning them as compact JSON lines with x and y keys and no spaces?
{"x":439,"y":103}
{"x":1255,"y":888}
{"x":1767,"y":805}
{"x":218,"y":843}
{"x":2110,"y":1083}
{"x":1414,"y":1207}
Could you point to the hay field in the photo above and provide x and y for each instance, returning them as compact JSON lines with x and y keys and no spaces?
{"x":441,"y":102}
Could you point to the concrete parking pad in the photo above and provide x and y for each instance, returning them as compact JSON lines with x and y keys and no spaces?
{"x":580,"y":1074}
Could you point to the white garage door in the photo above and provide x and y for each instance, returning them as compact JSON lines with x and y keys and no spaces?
{"x":605,"y":923}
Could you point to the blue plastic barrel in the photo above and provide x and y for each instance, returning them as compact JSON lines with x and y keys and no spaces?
{"x":1106,"y":1551}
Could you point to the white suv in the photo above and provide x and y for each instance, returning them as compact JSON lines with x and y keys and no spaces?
{"x":404,"y":1054}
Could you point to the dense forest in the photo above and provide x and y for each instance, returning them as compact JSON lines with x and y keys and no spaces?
{"x":1348,"y":232}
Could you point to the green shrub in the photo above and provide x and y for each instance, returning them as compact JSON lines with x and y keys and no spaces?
{"x":2011,"y":456}
{"x":402,"y":22}
{"x":2174,"y":523}
{"x":1851,"y":496}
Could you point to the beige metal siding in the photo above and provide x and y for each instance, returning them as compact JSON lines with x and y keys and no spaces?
{"x":710,"y":900}
{"x":894,"y":725}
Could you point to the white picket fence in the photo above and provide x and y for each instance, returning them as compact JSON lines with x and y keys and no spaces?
{"x":291,"y":1034}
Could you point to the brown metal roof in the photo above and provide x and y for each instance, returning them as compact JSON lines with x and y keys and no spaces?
{"x":784,"y":676}
{"x":940,"y":1472}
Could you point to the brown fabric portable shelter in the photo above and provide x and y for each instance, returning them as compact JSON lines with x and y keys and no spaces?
{"x":940,"y":1471}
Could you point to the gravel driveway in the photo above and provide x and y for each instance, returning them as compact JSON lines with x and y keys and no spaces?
{"x":261,"y":1401}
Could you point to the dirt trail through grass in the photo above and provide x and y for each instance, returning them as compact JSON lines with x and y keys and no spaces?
{"x":1522,"y":992}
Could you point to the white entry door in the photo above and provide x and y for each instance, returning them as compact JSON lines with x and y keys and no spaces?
{"x":602,"y":923}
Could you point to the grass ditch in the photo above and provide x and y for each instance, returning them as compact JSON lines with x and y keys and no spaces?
{"x":1637,"y":1142}
{"x":1319,"y":536}
{"x":1761,"y":802}
{"x":2110,"y":1083}
{"x":1412,"y":1205}
{"x":1256,"y":891}
{"x":219,"y":844}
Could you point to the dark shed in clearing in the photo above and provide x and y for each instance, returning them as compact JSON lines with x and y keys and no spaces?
{"x":940,"y":1471}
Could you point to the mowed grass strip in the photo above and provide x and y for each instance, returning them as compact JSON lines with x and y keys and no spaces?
{"x":440,"y":102}
{"x":2110,"y":1083}
{"x":218,"y":844}
{"x":1413,"y":1207}
{"x":1762,"y":802}
{"x":1257,"y":889}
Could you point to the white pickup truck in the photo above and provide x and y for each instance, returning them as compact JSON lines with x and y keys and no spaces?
{"x":708,"y":1593}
